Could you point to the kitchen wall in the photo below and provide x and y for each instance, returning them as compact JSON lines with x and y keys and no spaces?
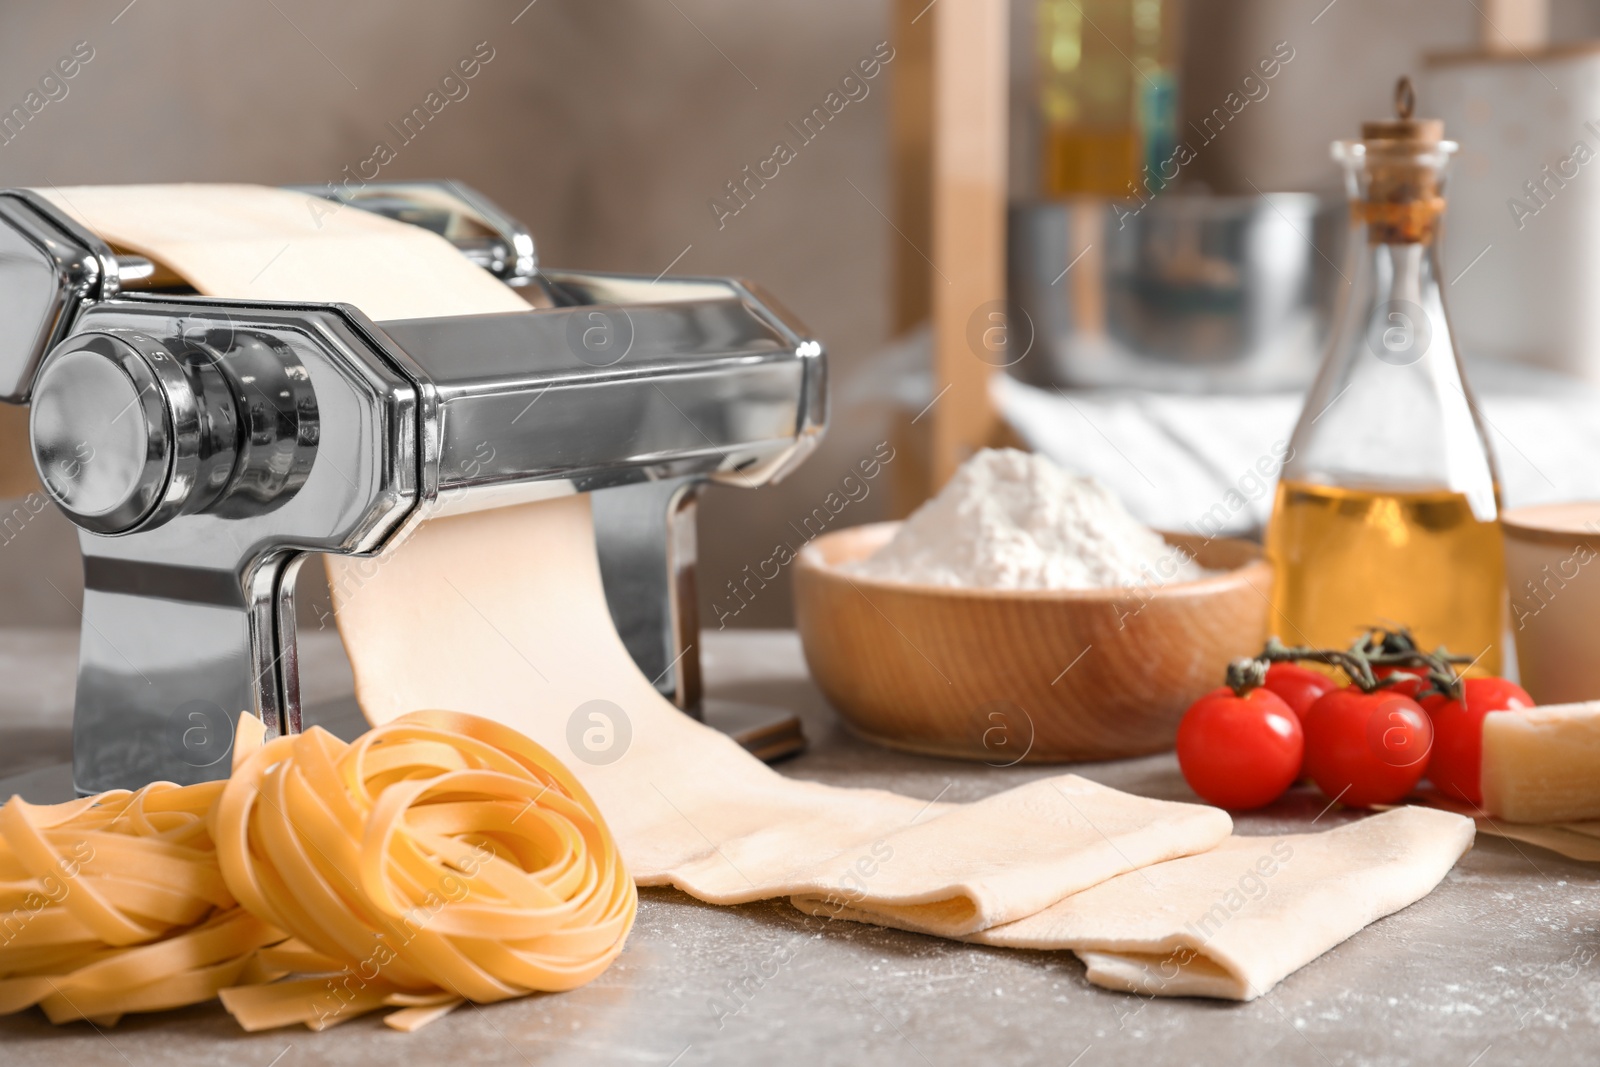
{"x":609,"y":127}
{"x":1347,"y":55}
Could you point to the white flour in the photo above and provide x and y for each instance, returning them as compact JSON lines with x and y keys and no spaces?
{"x":1010,"y":520}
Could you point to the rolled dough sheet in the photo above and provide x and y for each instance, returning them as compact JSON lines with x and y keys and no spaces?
{"x":259,"y":243}
{"x":501,"y":613}
{"x":1233,"y":922}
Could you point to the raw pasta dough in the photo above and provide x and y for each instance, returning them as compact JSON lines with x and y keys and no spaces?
{"x":256,"y":243}
{"x":1235,"y":921}
{"x":688,"y":805}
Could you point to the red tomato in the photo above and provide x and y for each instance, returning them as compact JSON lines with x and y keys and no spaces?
{"x":1458,"y":739}
{"x":1366,"y":748}
{"x":1240,"y":752}
{"x":1298,"y":686}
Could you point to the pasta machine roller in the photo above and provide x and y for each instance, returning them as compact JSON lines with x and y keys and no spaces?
{"x":203,"y":447}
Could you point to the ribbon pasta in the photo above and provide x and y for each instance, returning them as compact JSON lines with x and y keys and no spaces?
{"x":440,"y":858}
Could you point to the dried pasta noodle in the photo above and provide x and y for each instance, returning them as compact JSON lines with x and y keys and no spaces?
{"x":114,"y":903}
{"x":439,"y":858}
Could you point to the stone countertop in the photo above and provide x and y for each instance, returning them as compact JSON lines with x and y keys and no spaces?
{"x":1498,"y":966}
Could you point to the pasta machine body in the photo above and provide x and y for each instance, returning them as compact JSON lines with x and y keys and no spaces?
{"x":204,"y":447}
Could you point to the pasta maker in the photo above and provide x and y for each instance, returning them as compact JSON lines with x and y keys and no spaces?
{"x":204,"y":447}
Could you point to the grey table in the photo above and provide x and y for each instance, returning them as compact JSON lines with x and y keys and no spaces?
{"x":1496,"y":967}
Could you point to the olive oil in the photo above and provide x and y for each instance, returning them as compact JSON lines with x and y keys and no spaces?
{"x":1091,"y":162}
{"x":1388,"y":501}
{"x":1350,"y":558}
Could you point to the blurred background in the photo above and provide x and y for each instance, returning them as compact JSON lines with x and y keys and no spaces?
{"x":610,"y":128}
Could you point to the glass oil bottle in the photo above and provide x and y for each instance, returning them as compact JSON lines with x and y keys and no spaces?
{"x":1387,"y":507}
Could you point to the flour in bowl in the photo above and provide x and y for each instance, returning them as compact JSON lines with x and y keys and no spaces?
{"x":1010,"y":520}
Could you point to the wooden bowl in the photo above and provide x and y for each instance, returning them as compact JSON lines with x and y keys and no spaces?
{"x":1007,"y":676}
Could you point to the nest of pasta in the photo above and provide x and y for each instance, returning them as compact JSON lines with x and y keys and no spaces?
{"x":440,"y":858}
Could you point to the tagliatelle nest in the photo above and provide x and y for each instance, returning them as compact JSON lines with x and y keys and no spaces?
{"x":440,"y":858}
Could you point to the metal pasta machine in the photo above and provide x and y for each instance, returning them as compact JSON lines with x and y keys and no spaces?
{"x":203,"y":447}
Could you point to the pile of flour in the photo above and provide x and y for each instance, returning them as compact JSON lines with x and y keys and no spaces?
{"x":1010,"y":520}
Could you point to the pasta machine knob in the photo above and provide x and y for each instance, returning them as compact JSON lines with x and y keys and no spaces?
{"x":126,"y":435}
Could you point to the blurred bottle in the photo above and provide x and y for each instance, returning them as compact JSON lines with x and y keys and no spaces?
{"x":1386,"y":511}
{"x":1108,"y":93}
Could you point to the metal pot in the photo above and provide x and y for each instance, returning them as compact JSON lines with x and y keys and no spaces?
{"x":1181,"y":293}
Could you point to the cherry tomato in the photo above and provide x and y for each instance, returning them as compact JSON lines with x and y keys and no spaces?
{"x":1366,"y":748}
{"x":1458,"y":734}
{"x":1298,"y":686}
{"x":1240,"y":752}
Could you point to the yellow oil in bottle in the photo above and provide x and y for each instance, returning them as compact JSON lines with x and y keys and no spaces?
{"x":1084,"y":161}
{"x":1351,"y":558}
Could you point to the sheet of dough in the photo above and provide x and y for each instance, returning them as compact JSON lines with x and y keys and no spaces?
{"x":509,"y":608}
{"x":501,"y":614}
{"x":259,"y":243}
{"x":1233,"y":922}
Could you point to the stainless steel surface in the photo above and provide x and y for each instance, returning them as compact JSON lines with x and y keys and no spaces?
{"x":181,"y":614}
{"x":202,"y":446}
{"x":1500,"y":957}
{"x":134,"y":269}
{"x":645,"y":538}
{"x":1186,"y":293}
{"x":101,"y":440}
{"x":650,"y":586}
{"x":691,"y":383}
{"x":49,"y":268}
{"x":484,"y":233}
{"x":811,"y":405}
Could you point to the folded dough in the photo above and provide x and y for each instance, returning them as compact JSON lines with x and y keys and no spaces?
{"x":1233,"y":922}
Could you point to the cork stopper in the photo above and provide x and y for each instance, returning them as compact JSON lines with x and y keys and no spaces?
{"x":1403,"y":127}
{"x":1404,"y":200}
